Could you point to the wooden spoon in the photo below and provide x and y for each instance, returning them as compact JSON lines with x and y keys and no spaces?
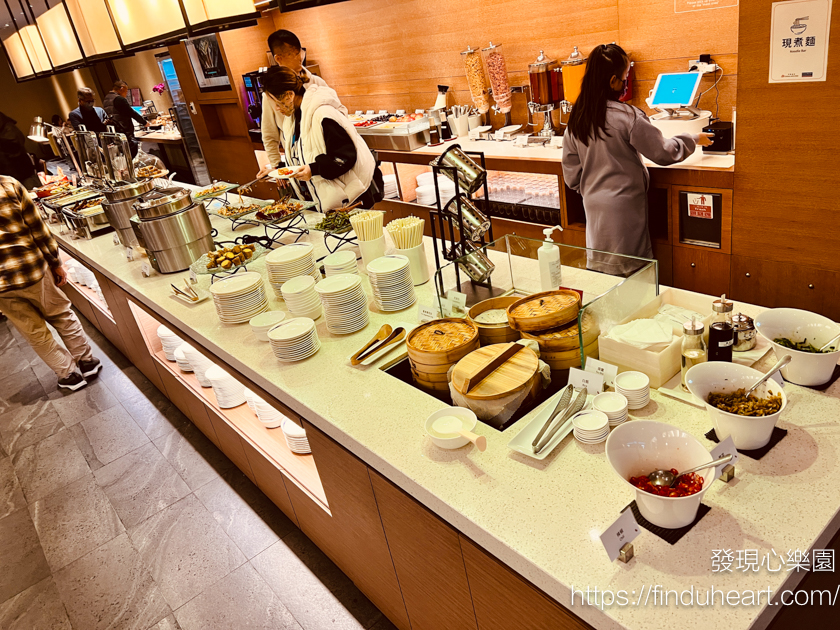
{"x":383,"y":334}
{"x":452,"y":425}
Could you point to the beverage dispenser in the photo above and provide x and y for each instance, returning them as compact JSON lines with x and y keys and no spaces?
{"x":546,"y":90}
{"x":573,"y":70}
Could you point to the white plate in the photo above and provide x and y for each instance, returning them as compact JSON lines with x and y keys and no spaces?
{"x":338,"y":284}
{"x":387,"y":264}
{"x":291,"y":329}
{"x":510,"y":129}
{"x":236,"y":284}
{"x":340,"y":259}
{"x":275,"y":174}
{"x":521,"y":443}
{"x":289,"y":253}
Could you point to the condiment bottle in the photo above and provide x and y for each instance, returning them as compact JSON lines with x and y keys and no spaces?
{"x":721,"y":331}
{"x":434,"y":133}
{"x":693,"y":347}
{"x":445,"y":132}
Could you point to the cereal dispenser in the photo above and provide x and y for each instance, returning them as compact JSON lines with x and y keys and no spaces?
{"x":476,"y":79}
{"x":497,"y":71}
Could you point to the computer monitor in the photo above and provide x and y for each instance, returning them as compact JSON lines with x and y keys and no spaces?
{"x":673,"y":91}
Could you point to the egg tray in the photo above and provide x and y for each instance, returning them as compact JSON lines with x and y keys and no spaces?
{"x":200,"y":265}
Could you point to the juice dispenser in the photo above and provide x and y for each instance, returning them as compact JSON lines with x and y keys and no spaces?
{"x":573,"y":70}
{"x":546,"y":90}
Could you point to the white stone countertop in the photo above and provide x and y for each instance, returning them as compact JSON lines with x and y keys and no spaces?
{"x":544,"y":518}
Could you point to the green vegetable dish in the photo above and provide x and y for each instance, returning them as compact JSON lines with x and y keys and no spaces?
{"x":802,"y":346}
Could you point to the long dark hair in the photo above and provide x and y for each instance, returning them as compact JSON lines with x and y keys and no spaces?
{"x":589,"y":114}
{"x":280,"y":79}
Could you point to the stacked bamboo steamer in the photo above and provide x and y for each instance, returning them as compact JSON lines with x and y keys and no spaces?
{"x":436,"y":346}
{"x":518,"y":373}
{"x":550,"y":319}
{"x":560,"y":347}
{"x":489,"y":334}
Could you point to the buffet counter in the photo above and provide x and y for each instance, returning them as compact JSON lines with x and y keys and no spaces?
{"x":542,"y":519}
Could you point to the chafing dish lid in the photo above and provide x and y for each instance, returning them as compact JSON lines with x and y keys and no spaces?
{"x":176,"y":198}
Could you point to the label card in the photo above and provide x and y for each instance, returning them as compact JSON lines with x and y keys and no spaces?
{"x":475,"y":135}
{"x":400,"y":112}
{"x":556,"y":142}
{"x":359,"y":112}
{"x":419,"y":111}
{"x":594,"y":383}
{"x":116,"y":239}
{"x":129,"y":254}
{"x":426,"y":313}
{"x":521,"y":141}
{"x":193,"y":277}
{"x":445,"y":307}
{"x":369,"y":112}
{"x":382,"y":112}
{"x":726,"y":447}
{"x":499,"y":134}
{"x":458,"y":302}
{"x":624,"y":530}
{"x":606,"y":370}
{"x":146,"y":270}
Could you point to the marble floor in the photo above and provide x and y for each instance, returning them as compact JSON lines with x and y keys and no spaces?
{"x":115,"y":512}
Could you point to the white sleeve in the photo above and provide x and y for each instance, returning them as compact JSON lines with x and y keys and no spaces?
{"x":270,"y":133}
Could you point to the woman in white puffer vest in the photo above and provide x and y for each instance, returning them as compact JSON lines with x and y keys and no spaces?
{"x":333,"y":165}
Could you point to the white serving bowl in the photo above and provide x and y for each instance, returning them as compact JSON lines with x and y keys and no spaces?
{"x":451,"y":440}
{"x":748,"y":432}
{"x":637,"y":448}
{"x":805,"y":368}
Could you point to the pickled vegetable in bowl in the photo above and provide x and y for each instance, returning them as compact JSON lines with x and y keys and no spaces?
{"x":735,"y":402}
{"x":802,"y":346}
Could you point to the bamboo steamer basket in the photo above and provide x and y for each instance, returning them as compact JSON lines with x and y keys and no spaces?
{"x":543,"y":311}
{"x":435,"y":346}
{"x":519,"y":372}
{"x":565,"y":338}
{"x":489,"y":334}
{"x":565,"y":359}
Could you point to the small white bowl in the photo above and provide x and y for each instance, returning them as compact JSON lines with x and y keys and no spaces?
{"x":748,"y":432}
{"x":632,"y":382}
{"x":805,"y":368}
{"x":451,"y":440}
{"x":640,"y":447}
{"x":611,"y":403}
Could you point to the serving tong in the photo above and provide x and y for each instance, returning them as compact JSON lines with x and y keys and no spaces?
{"x":564,"y":410}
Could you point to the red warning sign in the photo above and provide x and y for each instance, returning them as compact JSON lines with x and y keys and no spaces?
{"x":700,"y":206}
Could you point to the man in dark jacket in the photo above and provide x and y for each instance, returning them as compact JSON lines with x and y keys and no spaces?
{"x":120,"y":111}
{"x":14,"y":160}
{"x":87,"y":114}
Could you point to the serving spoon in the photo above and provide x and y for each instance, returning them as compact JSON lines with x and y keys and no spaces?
{"x":779,"y":365}
{"x":452,"y":425}
{"x":667,"y":479}
{"x":830,"y":343}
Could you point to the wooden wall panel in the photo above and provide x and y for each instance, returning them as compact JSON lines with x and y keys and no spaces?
{"x":422,"y":546}
{"x":504,"y":601}
{"x":786,"y":175}
{"x":270,"y":480}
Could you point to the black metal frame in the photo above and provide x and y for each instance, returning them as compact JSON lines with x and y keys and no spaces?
{"x":441,"y":220}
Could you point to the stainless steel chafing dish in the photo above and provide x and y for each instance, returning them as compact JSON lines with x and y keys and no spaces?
{"x":119,"y":207}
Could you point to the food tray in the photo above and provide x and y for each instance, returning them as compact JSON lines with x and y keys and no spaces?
{"x":304,"y":205}
{"x":521,"y":443}
{"x":158,"y":174}
{"x":217,"y":213}
{"x":200,"y":265}
{"x":567,"y":337}
{"x":543,"y":311}
{"x":226,"y":187}
{"x":69,"y":200}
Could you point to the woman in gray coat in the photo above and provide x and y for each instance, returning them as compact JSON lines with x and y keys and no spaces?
{"x":602,"y":160}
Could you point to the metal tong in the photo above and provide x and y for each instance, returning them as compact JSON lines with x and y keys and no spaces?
{"x":247,"y":187}
{"x":572,"y":409}
{"x":562,"y":404}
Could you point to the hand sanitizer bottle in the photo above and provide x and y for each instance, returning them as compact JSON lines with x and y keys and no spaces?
{"x":549,"y":257}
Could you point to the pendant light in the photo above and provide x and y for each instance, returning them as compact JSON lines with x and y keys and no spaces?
{"x":143,"y":24}
{"x":95,"y":29}
{"x":28,"y":57}
{"x":210,"y":16}
{"x":59,"y":36}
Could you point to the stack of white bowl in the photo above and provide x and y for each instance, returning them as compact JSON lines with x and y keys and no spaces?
{"x":391,"y":282}
{"x":268,"y":415}
{"x":199,"y":363}
{"x":290,"y":261}
{"x":301,"y":297}
{"x":635,"y":387}
{"x":262,"y":323}
{"x":295,"y":437}
{"x":426,"y":193}
{"x":229,"y":392}
{"x":345,"y":303}
{"x":169,"y":340}
{"x":294,"y":339}
{"x":181,"y":359}
{"x":591,"y":426}
{"x":240,"y":297}
{"x":340,"y":262}
{"x":614,"y":405}
{"x":391,"y":190}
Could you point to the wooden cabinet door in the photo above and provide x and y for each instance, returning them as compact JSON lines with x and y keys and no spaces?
{"x":664,"y":253}
{"x":778,"y":284}
{"x":505,"y":601}
{"x":427,"y":556}
{"x":701,"y":270}
{"x":352,"y":536}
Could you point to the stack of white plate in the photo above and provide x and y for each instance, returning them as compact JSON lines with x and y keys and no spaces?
{"x":229,"y":392}
{"x":268,"y":415}
{"x":290,"y":261}
{"x":340,"y":262}
{"x":635,"y":387}
{"x":391,"y":191}
{"x":426,"y":193}
{"x":169,"y":340}
{"x":614,"y":405}
{"x":295,"y":437}
{"x":240,"y":297}
{"x":301,"y":297}
{"x":262,"y":323}
{"x":390,"y":280}
{"x":199,"y":363}
{"x":294,"y":340}
{"x":591,"y":426}
{"x":345,"y":303}
{"x":181,"y":358}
